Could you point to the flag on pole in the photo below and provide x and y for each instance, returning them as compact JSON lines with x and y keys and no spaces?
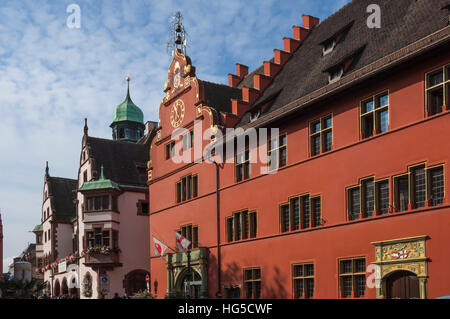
{"x":160,"y":248}
{"x":182,"y":243}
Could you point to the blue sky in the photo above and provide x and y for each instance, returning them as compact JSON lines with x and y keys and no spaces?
{"x":52,"y":77}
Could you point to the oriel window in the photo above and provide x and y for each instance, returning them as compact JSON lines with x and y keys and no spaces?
{"x":97,"y":203}
{"x":101,"y":237}
{"x":98,"y":236}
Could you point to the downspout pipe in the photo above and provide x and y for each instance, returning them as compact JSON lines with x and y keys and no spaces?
{"x":219,"y":272}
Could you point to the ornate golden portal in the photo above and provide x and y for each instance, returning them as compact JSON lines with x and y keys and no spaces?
{"x":407,"y":254}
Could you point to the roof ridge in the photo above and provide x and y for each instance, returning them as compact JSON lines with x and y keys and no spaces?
{"x":337,"y":11}
{"x":113,"y":141}
{"x":63,"y":178}
{"x":218,"y":84}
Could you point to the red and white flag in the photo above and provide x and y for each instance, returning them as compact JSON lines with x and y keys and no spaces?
{"x":160,"y":248}
{"x":182,"y":243}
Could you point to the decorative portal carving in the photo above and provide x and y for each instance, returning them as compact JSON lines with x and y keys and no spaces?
{"x":177,"y":267}
{"x":407,"y":254}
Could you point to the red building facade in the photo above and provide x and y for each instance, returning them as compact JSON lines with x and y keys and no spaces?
{"x":358,"y":207}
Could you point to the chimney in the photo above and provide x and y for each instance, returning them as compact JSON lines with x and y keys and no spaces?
{"x":310,"y":22}
{"x":241,"y":70}
{"x":300,"y":33}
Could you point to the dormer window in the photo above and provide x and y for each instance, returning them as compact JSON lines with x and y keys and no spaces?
{"x":332,"y":42}
{"x":328,"y":46}
{"x":335,"y":75}
{"x":336,"y":71}
{"x":99,"y":203}
{"x":254,"y":115}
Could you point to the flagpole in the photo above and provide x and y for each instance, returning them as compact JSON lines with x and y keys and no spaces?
{"x":188,"y":253}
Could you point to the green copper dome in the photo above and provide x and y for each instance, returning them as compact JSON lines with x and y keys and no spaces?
{"x":128,"y":111}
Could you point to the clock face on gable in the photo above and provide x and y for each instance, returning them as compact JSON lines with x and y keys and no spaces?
{"x":177,"y":113}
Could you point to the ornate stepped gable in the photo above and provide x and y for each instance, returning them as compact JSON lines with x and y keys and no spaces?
{"x":254,"y":84}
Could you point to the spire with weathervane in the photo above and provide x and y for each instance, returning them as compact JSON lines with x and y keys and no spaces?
{"x":128,"y":123}
{"x":177,"y":36}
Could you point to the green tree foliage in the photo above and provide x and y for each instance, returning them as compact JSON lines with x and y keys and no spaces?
{"x":19,"y":289}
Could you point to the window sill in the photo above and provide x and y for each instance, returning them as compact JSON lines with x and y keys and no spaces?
{"x":186,"y":201}
{"x":445,"y":108}
{"x":241,"y":240}
{"x":242,"y":180}
{"x":373,"y":136}
{"x":301,"y":229}
{"x":101,"y":211}
{"x":143,"y":214}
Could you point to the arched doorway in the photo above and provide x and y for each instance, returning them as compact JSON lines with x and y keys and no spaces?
{"x":189,"y":284}
{"x":402,"y":285}
{"x":65,"y":288}
{"x":135,"y":281}
{"x":57,"y":288}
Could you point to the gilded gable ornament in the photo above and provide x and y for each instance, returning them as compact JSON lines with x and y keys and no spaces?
{"x":177,"y":76}
{"x":177,"y":113}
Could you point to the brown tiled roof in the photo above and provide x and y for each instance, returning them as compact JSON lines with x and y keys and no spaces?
{"x":123,"y":162}
{"x":402,"y":23}
{"x":218,"y":96}
{"x":248,"y":79}
{"x":62,"y":195}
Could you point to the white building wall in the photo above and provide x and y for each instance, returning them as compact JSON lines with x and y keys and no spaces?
{"x":64,"y":237}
